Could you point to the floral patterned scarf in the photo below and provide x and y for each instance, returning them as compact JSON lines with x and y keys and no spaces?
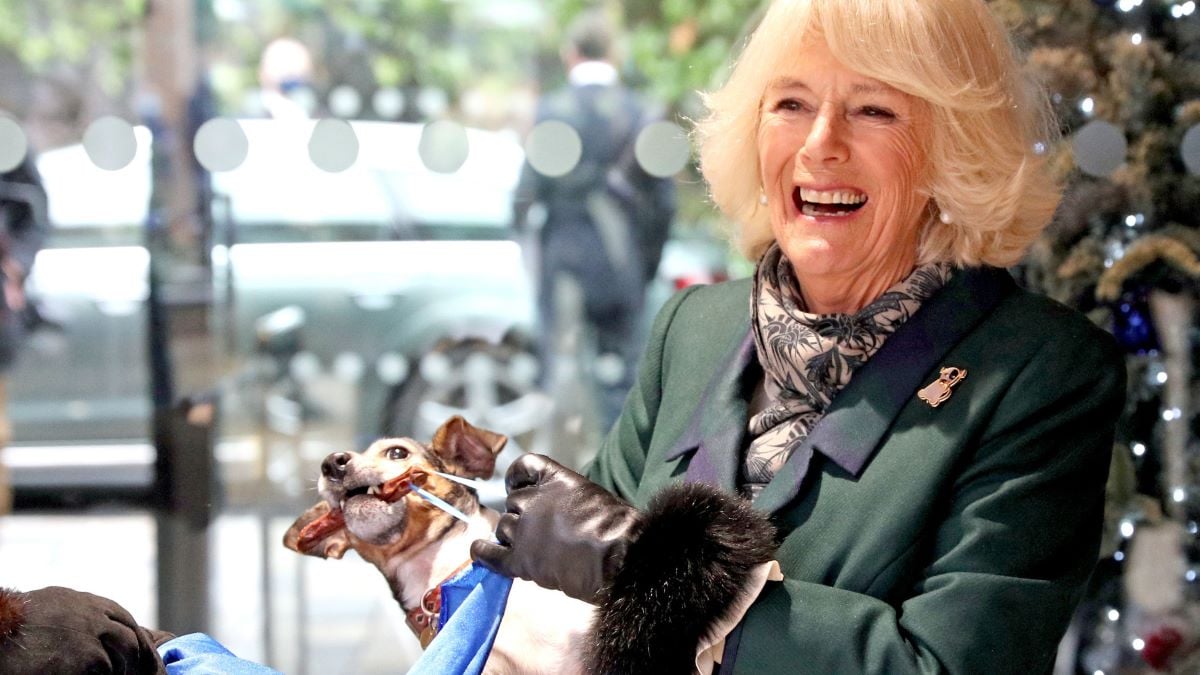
{"x":808,"y":358}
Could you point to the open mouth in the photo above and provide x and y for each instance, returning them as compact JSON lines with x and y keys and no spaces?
{"x":827,"y":203}
{"x":391,"y":490}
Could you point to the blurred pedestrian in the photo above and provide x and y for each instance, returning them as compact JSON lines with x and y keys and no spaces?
{"x":605,"y":220}
{"x":23,"y":226}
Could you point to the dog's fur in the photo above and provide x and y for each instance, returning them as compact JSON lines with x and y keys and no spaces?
{"x":416,"y":546}
{"x":679,"y":581}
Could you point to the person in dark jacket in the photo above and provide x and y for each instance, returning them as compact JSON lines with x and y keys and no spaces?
{"x":929,"y":441}
{"x":606,"y":220}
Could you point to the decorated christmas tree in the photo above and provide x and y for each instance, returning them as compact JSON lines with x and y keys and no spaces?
{"x":1124,"y":77}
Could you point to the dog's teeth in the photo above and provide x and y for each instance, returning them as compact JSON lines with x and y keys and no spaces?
{"x":342,"y":504}
{"x":373,"y":490}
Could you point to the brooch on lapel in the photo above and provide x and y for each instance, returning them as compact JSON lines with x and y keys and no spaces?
{"x":937,"y":392}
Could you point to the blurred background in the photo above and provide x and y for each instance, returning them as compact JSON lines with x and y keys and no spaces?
{"x":275,"y":229}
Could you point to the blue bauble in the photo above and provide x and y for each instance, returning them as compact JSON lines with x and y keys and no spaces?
{"x":1132,"y":325}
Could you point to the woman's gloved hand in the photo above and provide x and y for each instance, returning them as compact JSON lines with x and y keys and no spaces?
{"x":60,"y":630}
{"x":560,"y":530}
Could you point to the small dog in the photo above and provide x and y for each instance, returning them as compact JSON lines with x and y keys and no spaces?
{"x":367,"y":505}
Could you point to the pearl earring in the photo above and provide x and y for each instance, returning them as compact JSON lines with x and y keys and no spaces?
{"x":945,"y":217}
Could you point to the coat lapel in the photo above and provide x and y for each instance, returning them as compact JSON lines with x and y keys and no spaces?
{"x":717,"y":429}
{"x":860,"y":415}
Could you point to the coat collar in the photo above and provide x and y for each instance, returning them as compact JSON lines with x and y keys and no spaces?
{"x":860,"y":415}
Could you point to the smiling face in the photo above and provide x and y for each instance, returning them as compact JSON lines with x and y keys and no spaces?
{"x":843,"y":163}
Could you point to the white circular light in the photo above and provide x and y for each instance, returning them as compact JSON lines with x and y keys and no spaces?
{"x":221,"y":145}
{"x":333,"y":146}
{"x":1139,"y":449}
{"x":304,"y":366}
{"x":1138,"y":644}
{"x":110,"y":143}
{"x":345,"y":101}
{"x":435,"y":367}
{"x":14,"y":145}
{"x":348,"y":366}
{"x":388,"y":103}
{"x":609,"y":368}
{"x":523,"y":368}
{"x":432,"y":102}
{"x":553,"y":148}
{"x":1113,"y":614}
{"x":443,"y":146}
{"x":662,"y":149}
{"x":392,"y":368}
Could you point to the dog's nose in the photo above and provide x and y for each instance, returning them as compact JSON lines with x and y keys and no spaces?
{"x":334,"y":466}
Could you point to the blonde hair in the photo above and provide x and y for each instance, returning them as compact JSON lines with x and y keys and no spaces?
{"x":985,"y":119}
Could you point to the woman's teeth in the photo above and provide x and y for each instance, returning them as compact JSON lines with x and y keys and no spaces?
{"x":850,"y":197}
{"x":828,"y":202}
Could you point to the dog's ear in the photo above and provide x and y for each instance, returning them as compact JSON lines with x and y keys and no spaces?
{"x":469,"y":450}
{"x":320,"y":532}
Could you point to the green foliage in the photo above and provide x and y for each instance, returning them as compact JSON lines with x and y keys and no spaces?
{"x":51,"y":32}
{"x":433,"y":42}
{"x":675,"y":47}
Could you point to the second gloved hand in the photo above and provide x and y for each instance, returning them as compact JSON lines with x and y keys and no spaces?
{"x":560,"y":530}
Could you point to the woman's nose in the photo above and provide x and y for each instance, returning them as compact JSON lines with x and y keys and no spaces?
{"x":826,"y":138}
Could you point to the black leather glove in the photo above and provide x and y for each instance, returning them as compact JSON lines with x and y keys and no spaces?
{"x":60,"y":630}
{"x":561,"y":530}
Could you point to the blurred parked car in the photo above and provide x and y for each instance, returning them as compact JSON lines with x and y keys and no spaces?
{"x":387,"y":263}
{"x":366,"y":271}
{"x":406,"y":281}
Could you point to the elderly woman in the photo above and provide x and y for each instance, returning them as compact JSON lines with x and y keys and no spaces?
{"x":929,"y":441}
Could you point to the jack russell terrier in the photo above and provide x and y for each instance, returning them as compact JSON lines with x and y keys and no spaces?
{"x":382,"y":503}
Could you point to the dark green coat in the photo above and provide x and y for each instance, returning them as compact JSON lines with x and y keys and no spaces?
{"x":920,"y":539}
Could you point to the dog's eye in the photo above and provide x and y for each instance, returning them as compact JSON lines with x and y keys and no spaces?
{"x":397,"y":452}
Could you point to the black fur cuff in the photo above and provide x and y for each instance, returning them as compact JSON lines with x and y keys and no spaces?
{"x":687,"y":567}
{"x":12,"y":613}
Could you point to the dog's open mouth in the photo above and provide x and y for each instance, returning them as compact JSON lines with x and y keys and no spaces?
{"x":389,"y":491}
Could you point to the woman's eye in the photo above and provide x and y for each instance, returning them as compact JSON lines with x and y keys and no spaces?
{"x":790,"y":105}
{"x":876,"y":111}
{"x":397,"y":452}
